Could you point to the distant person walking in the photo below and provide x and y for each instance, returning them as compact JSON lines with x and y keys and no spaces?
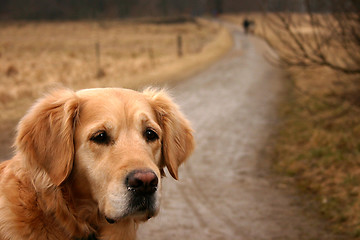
{"x":246,"y":25}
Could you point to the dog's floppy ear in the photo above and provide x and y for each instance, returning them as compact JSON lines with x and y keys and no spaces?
{"x":178,"y":141}
{"x":45,"y":134}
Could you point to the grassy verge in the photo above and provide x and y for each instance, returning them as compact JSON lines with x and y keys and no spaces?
{"x":318,"y":144}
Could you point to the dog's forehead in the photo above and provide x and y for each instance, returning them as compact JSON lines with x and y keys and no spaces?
{"x":112,"y":102}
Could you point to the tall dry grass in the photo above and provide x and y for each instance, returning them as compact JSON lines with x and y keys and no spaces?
{"x":36,"y":56}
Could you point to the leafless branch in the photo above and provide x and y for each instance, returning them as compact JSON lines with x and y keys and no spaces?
{"x":330,"y":39}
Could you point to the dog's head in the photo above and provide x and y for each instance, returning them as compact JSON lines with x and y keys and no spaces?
{"x":111,"y":145}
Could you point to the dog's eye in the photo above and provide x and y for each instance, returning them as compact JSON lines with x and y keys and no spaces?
{"x":150,"y":135}
{"x":100,"y":137}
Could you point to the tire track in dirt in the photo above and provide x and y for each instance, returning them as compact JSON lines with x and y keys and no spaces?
{"x":193,"y":207}
{"x":201,"y":198}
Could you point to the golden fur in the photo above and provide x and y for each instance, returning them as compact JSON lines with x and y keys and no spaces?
{"x":61,"y":184}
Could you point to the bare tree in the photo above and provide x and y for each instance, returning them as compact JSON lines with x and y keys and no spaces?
{"x":321,"y":37}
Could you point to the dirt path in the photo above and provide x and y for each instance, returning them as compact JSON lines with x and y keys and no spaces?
{"x":225,"y":190}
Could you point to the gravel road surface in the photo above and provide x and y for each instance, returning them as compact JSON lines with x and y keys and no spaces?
{"x":225,"y":189}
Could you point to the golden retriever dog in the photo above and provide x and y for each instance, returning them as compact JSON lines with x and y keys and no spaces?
{"x":88,"y":164}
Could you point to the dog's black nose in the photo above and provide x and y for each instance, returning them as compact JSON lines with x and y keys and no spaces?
{"x":142,"y":181}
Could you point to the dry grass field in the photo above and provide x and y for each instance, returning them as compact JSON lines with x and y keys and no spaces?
{"x":37,"y":56}
{"x":318,"y":144}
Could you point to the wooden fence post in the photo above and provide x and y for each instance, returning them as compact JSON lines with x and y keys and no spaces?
{"x":179,"y":46}
{"x":100,"y":72}
{"x":97,"y":52}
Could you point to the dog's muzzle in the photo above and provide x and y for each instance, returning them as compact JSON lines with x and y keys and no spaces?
{"x":141,"y":186}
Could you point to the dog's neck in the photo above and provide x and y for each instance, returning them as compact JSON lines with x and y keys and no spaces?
{"x":73,"y":219}
{"x":57,"y":203}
